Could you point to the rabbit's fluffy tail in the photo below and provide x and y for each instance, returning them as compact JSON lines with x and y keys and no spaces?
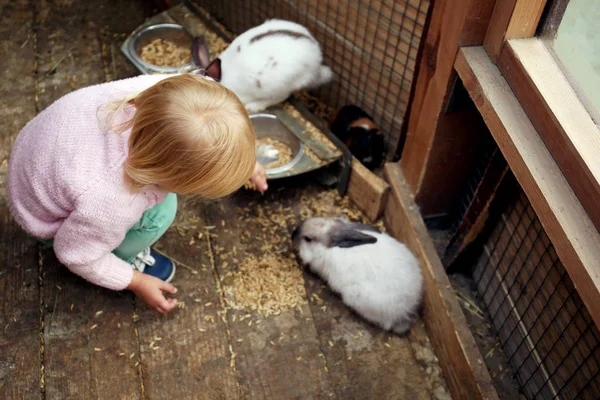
{"x":324,"y":75}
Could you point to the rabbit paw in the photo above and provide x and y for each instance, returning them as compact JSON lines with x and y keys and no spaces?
{"x":257,"y":106}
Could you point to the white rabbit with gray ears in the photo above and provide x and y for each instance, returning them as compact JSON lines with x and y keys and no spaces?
{"x":376,"y":276}
{"x":266,"y":64}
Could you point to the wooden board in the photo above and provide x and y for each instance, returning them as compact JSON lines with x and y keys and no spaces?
{"x":20,"y":345}
{"x":512,"y":19}
{"x":460,"y":359}
{"x":91,"y":333}
{"x":478,"y":210}
{"x":184,"y":355}
{"x":452,"y":155}
{"x":89,"y":338}
{"x":426,"y":152}
{"x":17,"y":59}
{"x":476,"y":24}
{"x":576,"y":239}
{"x":364,"y":362}
{"x":114,"y":22}
{"x":357,"y":359}
{"x":368,"y":191}
{"x":558,"y":115}
{"x":20,"y":351}
{"x":83,"y":350}
{"x":277,"y":356}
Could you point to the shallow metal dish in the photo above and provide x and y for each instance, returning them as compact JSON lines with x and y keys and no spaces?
{"x":172,"y":32}
{"x":269,"y":126}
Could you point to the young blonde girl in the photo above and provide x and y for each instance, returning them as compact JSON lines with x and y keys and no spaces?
{"x":96,"y":174}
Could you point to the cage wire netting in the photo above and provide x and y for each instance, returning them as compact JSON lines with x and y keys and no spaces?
{"x":371,"y":45}
{"x":486,"y":149}
{"x":545,"y":330}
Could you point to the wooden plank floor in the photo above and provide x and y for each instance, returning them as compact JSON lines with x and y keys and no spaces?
{"x":61,"y":337}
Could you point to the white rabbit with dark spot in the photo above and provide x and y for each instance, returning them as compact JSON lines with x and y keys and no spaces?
{"x":376,"y":275}
{"x":266,"y":64}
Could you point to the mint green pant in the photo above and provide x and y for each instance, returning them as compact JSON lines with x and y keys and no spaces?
{"x":153,"y":224}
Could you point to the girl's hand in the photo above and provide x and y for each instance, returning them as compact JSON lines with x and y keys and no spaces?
{"x":150,"y":290}
{"x":259,"y":178}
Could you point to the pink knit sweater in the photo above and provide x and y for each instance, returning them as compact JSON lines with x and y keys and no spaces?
{"x":66,"y":181}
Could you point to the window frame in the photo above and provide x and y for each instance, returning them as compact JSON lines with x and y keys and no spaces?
{"x":547,"y":95}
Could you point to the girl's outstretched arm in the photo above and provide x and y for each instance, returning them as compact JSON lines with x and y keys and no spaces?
{"x":259,"y":178}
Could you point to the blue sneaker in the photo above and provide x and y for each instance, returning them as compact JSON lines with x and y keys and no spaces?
{"x":154,"y":264}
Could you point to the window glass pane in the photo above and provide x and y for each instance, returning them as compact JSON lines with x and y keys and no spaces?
{"x":577,"y":44}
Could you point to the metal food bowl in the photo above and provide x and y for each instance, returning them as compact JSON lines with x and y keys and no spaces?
{"x":269,"y":126}
{"x":172,"y":32}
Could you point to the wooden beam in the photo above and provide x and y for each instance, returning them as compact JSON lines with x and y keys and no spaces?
{"x":574,"y":236}
{"x":512,"y":19}
{"x":478,"y":211}
{"x":558,"y":115}
{"x":454,"y":345}
{"x":476,"y":23}
{"x":452,"y":23}
{"x":451,"y":158}
{"x":368,"y":191}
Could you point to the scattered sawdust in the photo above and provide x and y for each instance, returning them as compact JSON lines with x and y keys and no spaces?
{"x":425,"y":356}
{"x":216,"y":23}
{"x":269,"y":280}
{"x":215,"y":44}
{"x":311,"y":130}
{"x":278,"y":149}
{"x":250,"y":186}
{"x":267,"y":284}
{"x":315,"y":105}
{"x":164,"y":53}
{"x":312,"y":154}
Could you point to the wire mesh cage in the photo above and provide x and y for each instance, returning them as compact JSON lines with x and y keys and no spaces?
{"x":371,"y":45}
{"x":545,"y":329}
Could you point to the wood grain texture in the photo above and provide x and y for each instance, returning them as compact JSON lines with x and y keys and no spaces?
{"x":460,"y":359}
{"x":17,"y":84}
{"x":476,"y":24}
{"x":364,"y":362}
{"x":478,"y":210}
{"x":20,"y":353}
{"x":426,"y":151}
{"x":558,"y":115}
{"x":89,"y":332}
{"x":277,"y":356}
{"x":451,"y":158}
{"x":185,"y":355}
{"x":576,"y":239}
{"x":89,"y":338}
{"x":368,"y":191}
{"x":512,"y":19}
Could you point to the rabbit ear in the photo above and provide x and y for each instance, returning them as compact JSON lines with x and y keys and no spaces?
{"x":365,"y":227}
{"x":200,"y":52}
{"x":346,"y":237}
{"x":214,"y":70}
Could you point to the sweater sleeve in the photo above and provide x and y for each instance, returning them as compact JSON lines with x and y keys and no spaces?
{"x":84,"y":243}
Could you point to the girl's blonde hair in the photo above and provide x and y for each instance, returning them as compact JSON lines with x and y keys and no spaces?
{"x":190,"y":135}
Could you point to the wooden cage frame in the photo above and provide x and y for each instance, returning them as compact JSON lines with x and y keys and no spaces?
{"x":544,"y":133}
